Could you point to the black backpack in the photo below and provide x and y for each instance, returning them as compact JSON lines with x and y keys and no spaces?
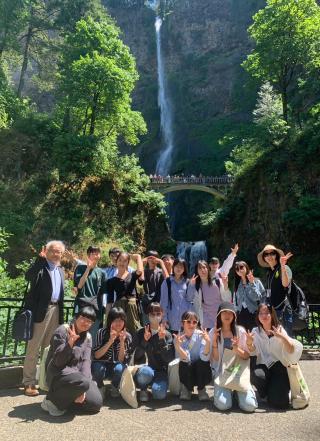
{"x":300,"y":307}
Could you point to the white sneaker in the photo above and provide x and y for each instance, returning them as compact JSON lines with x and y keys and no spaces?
{"x":144,"y":396}
{"x":185,"y":394}
{"x":48,"y":406}
{"x":114,"y":392}
{"x":203,"y":395}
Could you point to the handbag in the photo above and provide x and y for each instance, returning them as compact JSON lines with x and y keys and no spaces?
{"x":235,"y":372}
{"x":22,"y":325}
{"x":300,"y":394}
{"x":173,"y":376}
{"x":127,"y":386}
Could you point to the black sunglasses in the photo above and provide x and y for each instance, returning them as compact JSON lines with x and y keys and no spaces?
{"x":271,"y":253}
{"x":239,"y":267}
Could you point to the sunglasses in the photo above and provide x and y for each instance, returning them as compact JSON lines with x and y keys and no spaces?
{"x":191,"y":322}
{"x":271,"y":253}
{"x":239,"y":267}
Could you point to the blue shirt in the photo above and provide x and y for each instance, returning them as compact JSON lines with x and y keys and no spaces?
{"x":194,"y":347}
{"x":55,"y":280}
{"x":179,"y":300}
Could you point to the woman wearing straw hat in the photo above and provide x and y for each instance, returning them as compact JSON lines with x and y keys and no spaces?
{"x":279,"y":277}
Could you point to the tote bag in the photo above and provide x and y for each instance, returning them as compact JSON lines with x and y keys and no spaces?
{"x":235,"y":372}
{"x":173,"y":376}
{"x":127,"y":385}
{"x":300,"y":395}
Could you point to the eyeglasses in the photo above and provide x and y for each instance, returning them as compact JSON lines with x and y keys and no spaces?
{"x":191,"y":322}
{"x":239,"y":267}
{"x":270,"y":253}
{"x":155,"y":314}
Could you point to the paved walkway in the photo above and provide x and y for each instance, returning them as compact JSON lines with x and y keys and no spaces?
{"x":21,"y":418}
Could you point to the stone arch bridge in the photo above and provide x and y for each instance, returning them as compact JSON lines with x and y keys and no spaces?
{"x":215,"y":185}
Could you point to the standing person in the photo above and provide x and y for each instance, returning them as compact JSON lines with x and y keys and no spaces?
{"x":270,"y":376}
{"x":45,"y":300}
{"x":121,"y":289}
{"x":279,"y":277}
{"x":227,"y":335}
{"x":207,"y":294}
{"x":88,"y":280}
{"x":193,"y":349}
{"x":111,"y":352}
{"x":248,"y":293}
{"x":214,"y":263}
{"x":153,"y":278}
{"x":68,"y":368}
{"x":168,"y":260}
{"x":154,"y":342}
{"x":174,"y":295}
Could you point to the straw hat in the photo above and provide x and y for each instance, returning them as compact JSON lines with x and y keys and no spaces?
{"x":268,"y":248}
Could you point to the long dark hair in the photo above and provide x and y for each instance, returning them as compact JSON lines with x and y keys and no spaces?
{"x":237,"y":278}
{"x":272,"y":311}
{"x":202,"y":263}
{"x":232,"y":325}
{"x":114,"y":314}
{"x":185,"y":267}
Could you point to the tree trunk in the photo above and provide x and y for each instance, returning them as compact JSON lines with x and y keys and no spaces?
{"x":284,"y":98}
{"x":94,"y":113}
{"x":25,"y":60}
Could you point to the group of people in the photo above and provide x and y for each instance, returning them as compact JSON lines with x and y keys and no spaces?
{"x":154,"y":316}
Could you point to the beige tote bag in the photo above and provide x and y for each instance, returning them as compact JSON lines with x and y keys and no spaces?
{"x":300,"y":394}
{"x":235,"y":372}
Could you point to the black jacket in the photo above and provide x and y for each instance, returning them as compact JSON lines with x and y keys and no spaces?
{"x":159,"y":352}
{"x":39,"y":295}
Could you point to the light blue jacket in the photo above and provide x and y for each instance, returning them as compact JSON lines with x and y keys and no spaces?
{"x":251,"y":294}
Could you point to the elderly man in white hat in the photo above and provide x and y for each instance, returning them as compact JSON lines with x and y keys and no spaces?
{"x":279,"y":277}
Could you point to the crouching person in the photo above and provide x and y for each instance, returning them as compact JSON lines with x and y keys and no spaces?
{"x":68,"y":368}
{"x":111,"y":351}
{"x":229,"y":341}
{"x":193,"y":348}
{"x":154,"y":342}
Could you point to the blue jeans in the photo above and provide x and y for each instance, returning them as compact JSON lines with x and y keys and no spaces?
{"x":146,"y":376}
{"x":223,"y":399}
{"x":102,"y":370}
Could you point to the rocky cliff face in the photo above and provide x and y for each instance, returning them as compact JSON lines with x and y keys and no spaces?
{"x":204,"y":42}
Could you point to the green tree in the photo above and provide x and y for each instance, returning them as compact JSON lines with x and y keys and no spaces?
{"x":11,"y":19}
{"x":97,"y":76}
{"x":287,"y":41}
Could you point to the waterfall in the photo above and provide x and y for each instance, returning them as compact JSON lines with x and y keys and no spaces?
{"x":192,"y":252}
{"x":164,"y":103}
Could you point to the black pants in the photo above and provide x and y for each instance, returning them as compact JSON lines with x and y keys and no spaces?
{"x":272,"y":383}
{"x":195,"y":374}
{"x":66,"y":388}
{"x":246,"y":319}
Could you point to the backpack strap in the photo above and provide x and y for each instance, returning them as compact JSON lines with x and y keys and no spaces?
{"x":168,"y":281}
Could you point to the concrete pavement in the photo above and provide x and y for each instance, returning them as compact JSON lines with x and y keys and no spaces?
{"x":21,"y":418}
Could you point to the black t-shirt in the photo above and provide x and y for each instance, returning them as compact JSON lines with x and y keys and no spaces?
{"x":152,"y":282}
{"x":276,"y":292}
{"x":116,"y":288}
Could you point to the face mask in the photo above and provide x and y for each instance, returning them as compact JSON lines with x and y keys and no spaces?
{"x":155,"y":319}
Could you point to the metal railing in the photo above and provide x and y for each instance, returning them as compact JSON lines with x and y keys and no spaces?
{"x":205,"y":180}
{"x":12,"y":352}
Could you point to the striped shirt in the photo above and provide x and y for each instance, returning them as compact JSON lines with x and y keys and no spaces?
{"x":112,"y":354}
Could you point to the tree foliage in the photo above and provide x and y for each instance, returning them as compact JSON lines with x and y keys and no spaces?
{"x":286,"y":34}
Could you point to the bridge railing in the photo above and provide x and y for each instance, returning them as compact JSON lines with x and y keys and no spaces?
{"x":206,"y":180}
{"x":12,"y":353}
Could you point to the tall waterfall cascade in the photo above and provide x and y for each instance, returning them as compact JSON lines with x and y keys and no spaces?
{"x":164,"y":103}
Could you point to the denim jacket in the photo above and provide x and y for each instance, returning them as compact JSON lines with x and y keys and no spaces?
{"x":251,"y":294}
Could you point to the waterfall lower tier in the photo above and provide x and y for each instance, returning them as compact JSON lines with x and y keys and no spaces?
{"x":192,"y":252}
